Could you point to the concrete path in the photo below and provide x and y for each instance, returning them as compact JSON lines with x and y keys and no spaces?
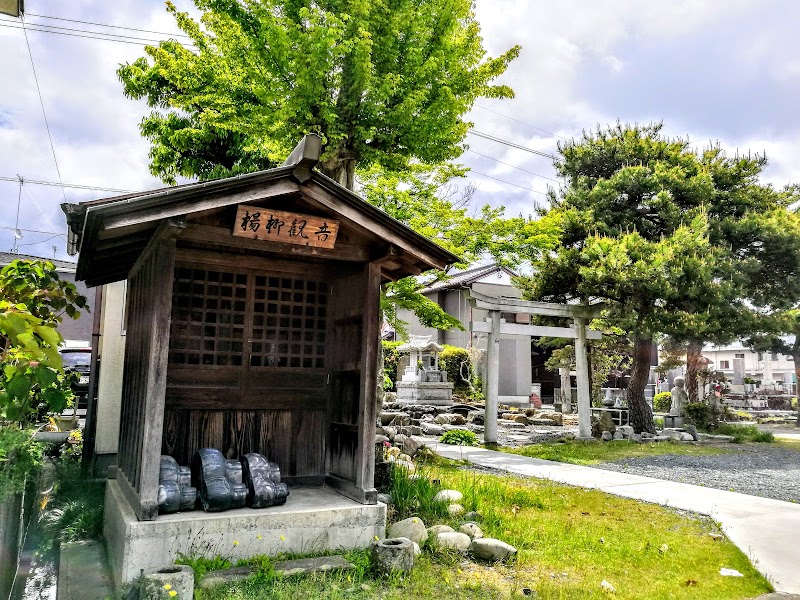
{"x":767,"y":531}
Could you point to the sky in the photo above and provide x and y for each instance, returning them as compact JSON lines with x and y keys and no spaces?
{"x":714,"y":71}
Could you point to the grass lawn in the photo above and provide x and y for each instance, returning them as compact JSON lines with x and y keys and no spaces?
{"x":569,"y":541}
{"x":592,"y":453}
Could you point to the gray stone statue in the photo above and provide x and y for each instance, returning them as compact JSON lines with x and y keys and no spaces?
{"x":679,"y":397}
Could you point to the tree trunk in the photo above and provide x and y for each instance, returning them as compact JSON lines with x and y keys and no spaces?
{"x":342,"y":171}
{"x":566,"y":391}
{"x":641,"y":415}
{"x":693,"y":353}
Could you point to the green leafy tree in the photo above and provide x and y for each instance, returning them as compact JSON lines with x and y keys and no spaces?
{"x":385,"y":84}
{"x":34,"y":300}
{"x":382,"y":82}
{"x":677,"y":242}
{"x":427,"y":200}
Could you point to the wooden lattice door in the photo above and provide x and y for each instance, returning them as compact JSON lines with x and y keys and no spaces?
{"x":247,"y":366}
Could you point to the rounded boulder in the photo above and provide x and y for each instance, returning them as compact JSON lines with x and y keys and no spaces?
{"x":492,"y":550}
{"x":412,"y":528}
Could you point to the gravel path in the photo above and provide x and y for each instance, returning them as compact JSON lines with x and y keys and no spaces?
{"x":754,"y":469}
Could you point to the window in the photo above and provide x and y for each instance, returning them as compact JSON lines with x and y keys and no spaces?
{"x":289,"y":320}
{"x":774,"y":356}
{"x":211,"y":324}
{"x":738,"y":355}
{"x":724,"y":364}
{"x":208,"y":317}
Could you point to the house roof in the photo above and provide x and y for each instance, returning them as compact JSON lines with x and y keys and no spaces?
{"x":111,"y":233}
{"x":61,"y":265}
{"x":465,"y":278}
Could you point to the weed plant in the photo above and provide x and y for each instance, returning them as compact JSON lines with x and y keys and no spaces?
{"x":74,"y":509}
{"x":745,"y":433}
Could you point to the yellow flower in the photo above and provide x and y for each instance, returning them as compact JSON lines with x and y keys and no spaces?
{"x":235,"y":543}
{"x":167,"y":587}
{"x":283,"y":539}
{"x":258,"y":536}
{"x":173,"y":593}
{"x":376,"y":538}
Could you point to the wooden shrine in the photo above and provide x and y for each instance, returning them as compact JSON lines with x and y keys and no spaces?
{"x":253,"y":320}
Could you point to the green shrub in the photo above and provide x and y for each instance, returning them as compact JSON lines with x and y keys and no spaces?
{"x":391,"y":359}
{"x":20,"y":460}
{"x":460,"y":437}
{"x":459,"y":369}
{"x":662,"y":402}
{"x":700,"y":413}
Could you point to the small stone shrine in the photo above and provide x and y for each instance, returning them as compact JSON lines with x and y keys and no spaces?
{"x":422,"y":381}
{"x":252,"y":331}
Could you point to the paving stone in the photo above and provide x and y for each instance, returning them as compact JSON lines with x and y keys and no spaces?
{"x":83,"y":573}
{"x":223,"y":576}
{"x":313,"y":565}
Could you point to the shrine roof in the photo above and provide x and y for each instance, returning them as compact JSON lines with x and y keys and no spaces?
{"x":420,"y":344}
{"x":111,"y":233}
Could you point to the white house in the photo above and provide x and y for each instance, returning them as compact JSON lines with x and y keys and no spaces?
{"x":770,"y":370}
{"x":515,"y":353}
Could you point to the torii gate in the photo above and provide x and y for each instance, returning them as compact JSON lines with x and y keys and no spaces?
{"x":579,"y":331}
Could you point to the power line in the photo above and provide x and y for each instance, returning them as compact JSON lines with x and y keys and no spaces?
{"x":513,"y":167}
{"x":521,"y":122}
{"x":106,"y":25}
{"x":69,"y":185}
{"x":31,"y":230}
{"x":139,"y":42}
{"x":522,"y":187}
{"x":44,"y":113}
{"x":57,"y":235}
{"x":110,"y":35}
{"x":512,"y":144}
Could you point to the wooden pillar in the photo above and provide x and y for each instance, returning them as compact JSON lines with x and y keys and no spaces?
{"x":582,"y":375}
{"x":164,"y":257}
{"x":371,"y":332}
{"x":492,"y":379}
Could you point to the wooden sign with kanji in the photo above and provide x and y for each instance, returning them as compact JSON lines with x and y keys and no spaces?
{"x":259,"y":223}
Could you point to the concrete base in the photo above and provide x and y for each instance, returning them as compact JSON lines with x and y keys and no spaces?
{"x":427,"y":392}
{"x":314,"y":519}
{"x":673,"y":422}
{"x":515,"y":400}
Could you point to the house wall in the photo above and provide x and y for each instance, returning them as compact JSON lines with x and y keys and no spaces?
{"x":515,"y":353}
{"x":109,"y":386}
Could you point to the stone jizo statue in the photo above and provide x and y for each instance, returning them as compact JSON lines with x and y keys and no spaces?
{"x":679,"y":397}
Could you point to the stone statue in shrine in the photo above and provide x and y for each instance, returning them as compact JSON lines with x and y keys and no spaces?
{"x":679,"y":397}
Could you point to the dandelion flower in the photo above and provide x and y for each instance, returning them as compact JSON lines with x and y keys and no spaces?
{"x":167,"y":587}
{"x":258,"y":536}
{"x":283,"y":539}
{"x":235,"y":542}
{"x":173,"y":593}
